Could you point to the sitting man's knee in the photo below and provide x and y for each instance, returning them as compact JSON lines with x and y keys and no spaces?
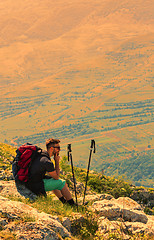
{"x":65,"y":186}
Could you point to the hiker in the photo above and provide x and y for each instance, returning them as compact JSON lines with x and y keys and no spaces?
{"x":39,"y":183}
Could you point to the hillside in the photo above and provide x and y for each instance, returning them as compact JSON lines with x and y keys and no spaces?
{"x":115,"y":209}
{"x":98,"y":182}
{"x":79,"y":70}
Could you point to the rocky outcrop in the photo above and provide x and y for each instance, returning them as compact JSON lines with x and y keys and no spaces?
{"x":123,"y":216}
{"x":28,"y":223}
{"x":122,"y":213}
{"x":8,"y":188}
{"x":125,"y":229}
{"x":126,"y":208}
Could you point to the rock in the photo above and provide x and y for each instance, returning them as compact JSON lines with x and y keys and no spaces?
{"x":76,"y":221}
{"x":37,"y":225}
{"x":25,"y":191}
{"x":123,"y":227}
{"x":3,"y":222}
{"x":150,"y":223}
{"x":96,"y":197}
{"x":6,"y":175}
{"x":8,"y":188}
{"x":126,"y":202}
{"x":123,"y":215}
{"x":104,"y":226}
{"x":134,"y":216}
{"x":126,"y":208}
{"x":80,"y":187}
{"x":67,"y":223}
{"x":32,"y":231}
{"x":138,"y":227}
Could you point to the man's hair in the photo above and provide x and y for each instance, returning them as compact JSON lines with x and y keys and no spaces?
{"x":51,"y":142}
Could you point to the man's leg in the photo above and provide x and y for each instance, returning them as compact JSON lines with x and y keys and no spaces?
{"x":64,"y":195}
{"x":66,"y":192}
{"x":59,"y":195}
{"x":60,"y":189}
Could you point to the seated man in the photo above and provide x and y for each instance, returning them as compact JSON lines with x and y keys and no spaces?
{"x":39,"y":183}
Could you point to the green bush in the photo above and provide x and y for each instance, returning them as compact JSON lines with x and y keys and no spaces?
{"x":87,"y":227}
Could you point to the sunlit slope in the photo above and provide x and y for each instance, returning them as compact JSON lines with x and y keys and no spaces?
{"x":40,"y":39}
{"x":78,"y":70}
{"x":108,"y":91}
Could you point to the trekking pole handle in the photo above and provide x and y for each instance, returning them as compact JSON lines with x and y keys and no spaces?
{"x":69,"y":148}
{"x":93,"y":145}
{"x":69,"y":151}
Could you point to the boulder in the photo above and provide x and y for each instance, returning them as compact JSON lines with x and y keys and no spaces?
{"x":123,"y":215}
{"x":67,"y":223}
{"x":105,"y":225}
{"x":138,"y":227}
{"x":32,"y":224}
{"x":73,"y":224}
{"x":123,"y":207}
{"x":8,"y":188}
{"x":126,"y":202}
{"x":32,"y":230}
{"x":124,"y":229}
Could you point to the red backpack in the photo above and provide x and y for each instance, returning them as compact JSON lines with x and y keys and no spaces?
{"x":22,"y":162}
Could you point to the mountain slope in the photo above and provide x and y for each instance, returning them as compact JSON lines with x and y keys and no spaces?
{"x":78,"y":70}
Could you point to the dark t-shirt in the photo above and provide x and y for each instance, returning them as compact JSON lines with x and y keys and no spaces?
{"x":40,"y":165}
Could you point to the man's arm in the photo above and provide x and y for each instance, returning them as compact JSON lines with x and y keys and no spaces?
{"x":55,"y":174}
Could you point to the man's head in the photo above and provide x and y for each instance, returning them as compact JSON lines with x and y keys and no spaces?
{"x":53,"y":146}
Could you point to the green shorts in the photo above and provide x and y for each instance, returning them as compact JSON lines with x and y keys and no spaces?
{"x":53,"y":184}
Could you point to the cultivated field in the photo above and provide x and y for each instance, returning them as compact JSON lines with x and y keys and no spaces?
{"x":80,"y":71}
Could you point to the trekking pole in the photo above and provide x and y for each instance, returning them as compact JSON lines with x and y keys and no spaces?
{"x":70,"y":157}
{"x":91,"y":148}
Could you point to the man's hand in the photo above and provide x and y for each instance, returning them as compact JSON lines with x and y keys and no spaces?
{"x":55,"y":174}
{"x":56,"y":157}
